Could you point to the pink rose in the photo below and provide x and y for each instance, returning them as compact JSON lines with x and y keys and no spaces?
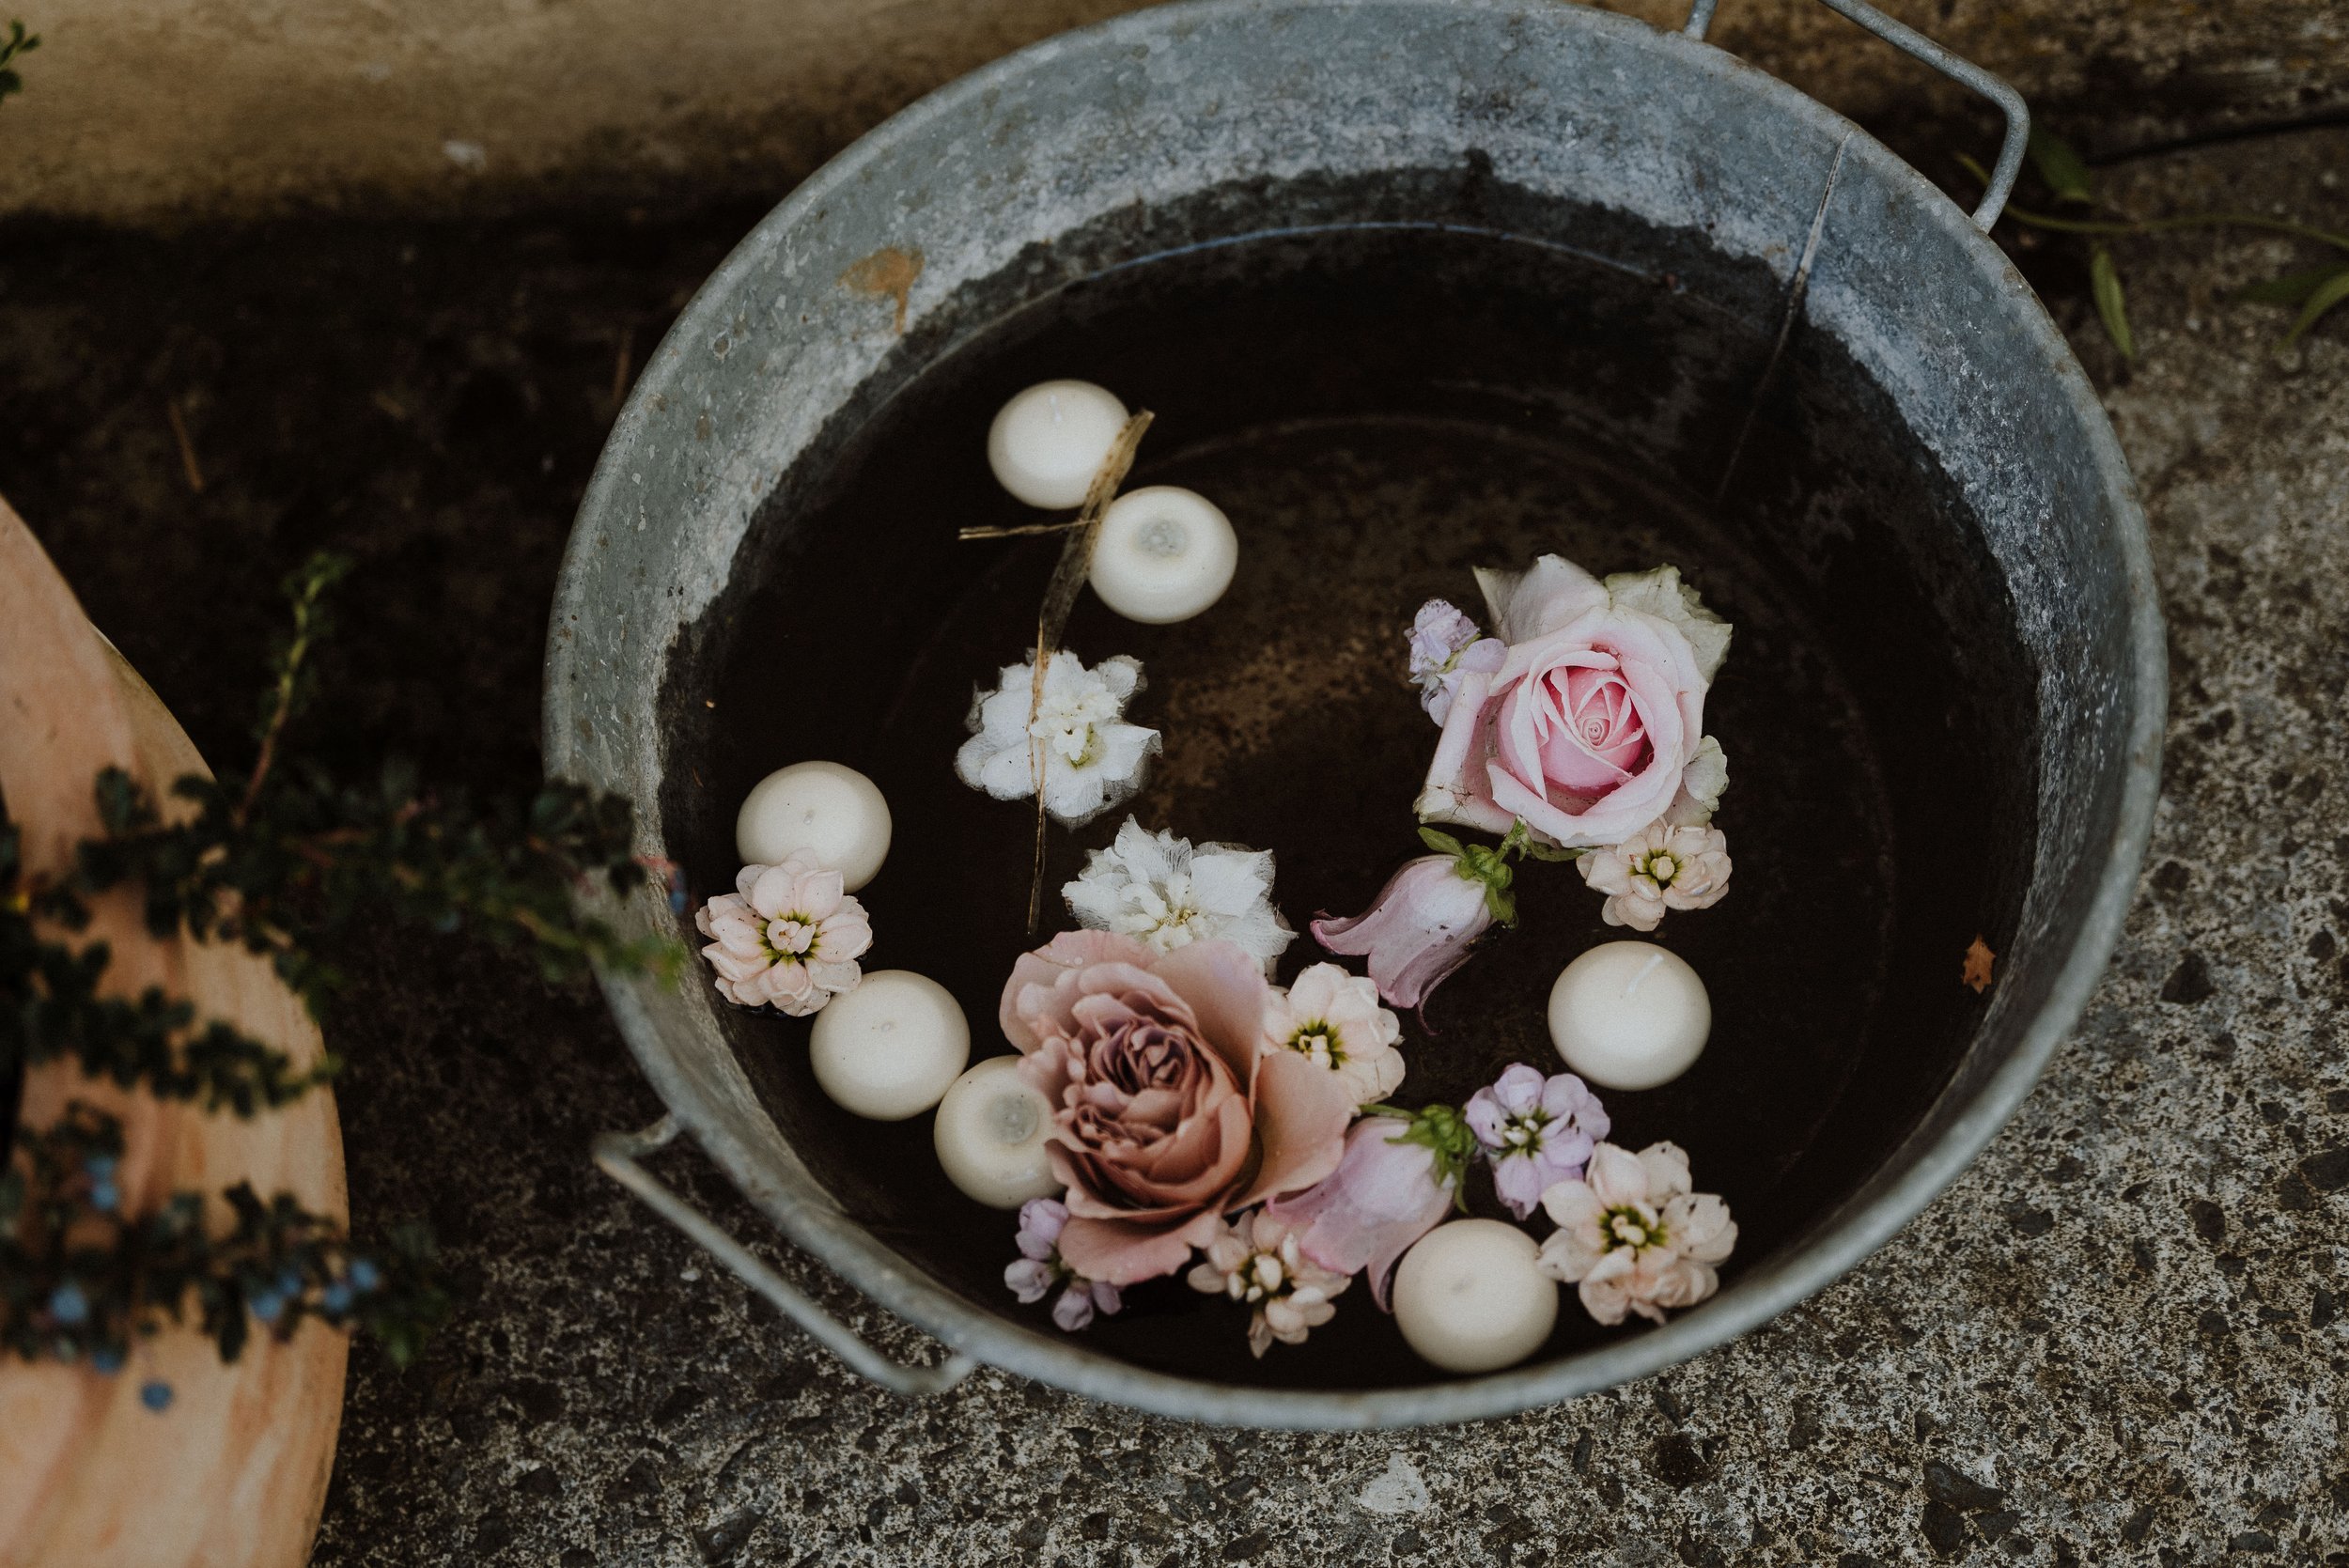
{"x":1170,"y":1115}
{"x":1585,"y":731}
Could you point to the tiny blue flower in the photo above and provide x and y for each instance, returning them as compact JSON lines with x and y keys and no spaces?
{"x":336,"y":1297}
{"x":289,"y":1281}
{"x":105,"y":1197}
{"x":364,"y":1277}
{"x":156,"y":1396}
{"x":106,"y":1358}
{"x":100,"y":1168}
{"x":68,"y":1305}
{"x":268,"y":1306}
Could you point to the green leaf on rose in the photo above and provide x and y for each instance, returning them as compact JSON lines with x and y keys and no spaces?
{"x":1442,"y":842}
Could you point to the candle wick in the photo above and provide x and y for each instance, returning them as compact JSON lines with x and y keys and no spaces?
{"x":1645,"y":970}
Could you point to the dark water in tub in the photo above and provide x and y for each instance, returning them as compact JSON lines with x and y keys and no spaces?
{"x":1379,"y":411}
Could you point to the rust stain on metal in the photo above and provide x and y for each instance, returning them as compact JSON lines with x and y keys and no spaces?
{"x":888,"y":273}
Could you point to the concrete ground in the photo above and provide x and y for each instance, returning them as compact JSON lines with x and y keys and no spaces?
{"x":2117,"y":1339}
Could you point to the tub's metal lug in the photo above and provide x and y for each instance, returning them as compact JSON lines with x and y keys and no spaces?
{"x":619,"y":1156}
{"x":1917,"y":46}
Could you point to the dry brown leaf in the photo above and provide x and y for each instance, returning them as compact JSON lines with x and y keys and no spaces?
{"x":1978,"y":960}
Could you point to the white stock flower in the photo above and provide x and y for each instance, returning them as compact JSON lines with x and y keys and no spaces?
{"x":1167,"y":893}
{"x":1333,"y":1020}
{"x":1092,"y":758}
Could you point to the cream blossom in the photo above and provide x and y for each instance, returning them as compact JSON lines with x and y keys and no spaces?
{"x":1702,"y":785}
{"x":1167,"y":893}
{"x":1258,"y":1261}
{"x":1632,"y":1237}
{"x":787,"y":937}
{"x":1093,"y":759}
{"x":1660,"y":868}
{"x":1333,"y":1020}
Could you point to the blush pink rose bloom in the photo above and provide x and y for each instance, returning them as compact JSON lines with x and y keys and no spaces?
{"x":1170,"y":1116}
{"x":1586,"y":729}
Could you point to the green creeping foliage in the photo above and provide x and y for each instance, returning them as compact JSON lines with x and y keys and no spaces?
{"x":2104,"y":283}
{"x":2061,"y":168}
{"x":82,"y":1280}
{"x":284,"y":860}
{"x":2067,"y":177}
{"x":17,"y":43}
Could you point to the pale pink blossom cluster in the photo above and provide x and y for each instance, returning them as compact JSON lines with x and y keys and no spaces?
{"x":787,"y":937}
{"x":1633,"y":1236}
{"x":1259,"y":1262}
{"x":1660,"y":868}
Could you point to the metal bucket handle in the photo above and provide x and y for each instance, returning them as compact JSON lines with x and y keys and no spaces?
{"x":1917,"y":46}
{"x":619,"y":1154}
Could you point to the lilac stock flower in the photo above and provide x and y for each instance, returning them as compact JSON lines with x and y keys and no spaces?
{"x":1445,"y":646}
{"x":1040,"y":1267}
{"x":1537,"y":1132}
{"x":1418,"y":931}
{"x":1397,"y":1180}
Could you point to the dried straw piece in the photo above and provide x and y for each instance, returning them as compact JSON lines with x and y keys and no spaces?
{"x":1059,"y":596}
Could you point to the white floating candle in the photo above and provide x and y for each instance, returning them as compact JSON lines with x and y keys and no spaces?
{"x":991,"y":1131}
{"x":833,"y":815}
{"x":1165,"y":553}
{"x":1629,"y":1015}
{"x":1048,"y":443}
{"x":1468,"y":1299}
{"x":890,"y":1048}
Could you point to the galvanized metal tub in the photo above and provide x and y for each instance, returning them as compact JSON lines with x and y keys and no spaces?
{"x":1652,"y":153}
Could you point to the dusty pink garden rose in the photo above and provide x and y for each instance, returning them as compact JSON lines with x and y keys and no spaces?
{"x":786,"y":937}
{"x":1170,"y":1113}
{"x":1419,"y":930}
{"x":1660,"y":868}
{"x":1631,"y":1236}
{"x":1387,"y":1193}
{"x":1586,"y":729}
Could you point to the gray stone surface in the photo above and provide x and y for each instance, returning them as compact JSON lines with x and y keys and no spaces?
{"x":2117,"y":1339}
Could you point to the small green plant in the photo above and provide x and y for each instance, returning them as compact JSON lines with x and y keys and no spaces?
{"x":18,"y":42}
{"x":2071,"y":185}
{"x":283,"y":859}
